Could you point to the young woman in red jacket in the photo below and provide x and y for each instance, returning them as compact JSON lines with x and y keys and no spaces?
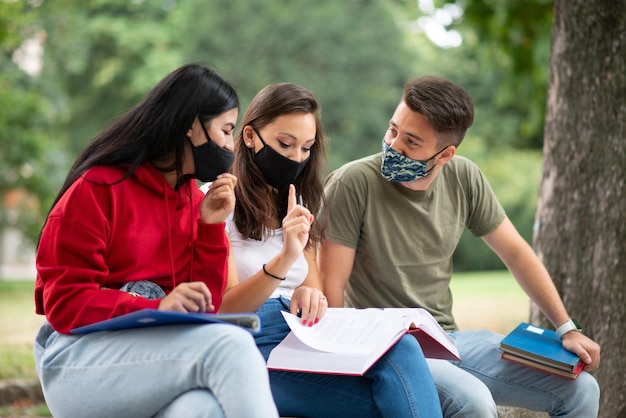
{"x":130,"y":211}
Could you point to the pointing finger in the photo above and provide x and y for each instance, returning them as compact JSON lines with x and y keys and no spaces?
{"x":291,"y":203}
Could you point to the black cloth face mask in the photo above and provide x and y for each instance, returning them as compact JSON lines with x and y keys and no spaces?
{"x":210,"y":159}
{"x":278,"y":170}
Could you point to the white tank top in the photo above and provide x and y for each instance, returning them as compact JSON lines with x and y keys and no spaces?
{"x":250,"y":255}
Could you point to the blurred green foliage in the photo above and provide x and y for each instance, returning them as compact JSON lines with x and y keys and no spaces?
{"x":508,"y":43}
{"x":24,"y":122}
{"x":102,"y":56}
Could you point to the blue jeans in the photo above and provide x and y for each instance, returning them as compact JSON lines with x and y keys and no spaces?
{"x":144,"y":288}
{"x":473,"y":387}
{"x":171,"y":371}
{"x":398,"y":385}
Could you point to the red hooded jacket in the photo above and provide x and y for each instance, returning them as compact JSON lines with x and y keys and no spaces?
{"x":101,"y":235}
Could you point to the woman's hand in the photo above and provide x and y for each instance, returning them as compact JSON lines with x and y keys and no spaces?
{"x":296,"y":226}
{"x":188,"y":297}
{"x":219,"y":200}
{"x":311,"y":303}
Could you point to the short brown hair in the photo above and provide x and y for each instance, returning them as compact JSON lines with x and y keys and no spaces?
{"x":446,"y":105}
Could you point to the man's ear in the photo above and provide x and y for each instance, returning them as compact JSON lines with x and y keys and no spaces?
{"x":447,"y":154}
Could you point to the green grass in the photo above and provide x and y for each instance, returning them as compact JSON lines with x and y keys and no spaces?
{"x":491,"y":300}
{"x":17,"y":362}
{"x":18,"y":326}
{"x":484,"y":283}
{"x":25,"y":410}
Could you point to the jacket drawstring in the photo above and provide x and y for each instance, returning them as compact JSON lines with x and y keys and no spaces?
{"x":191,"y":238}
{"x":169,"y":235}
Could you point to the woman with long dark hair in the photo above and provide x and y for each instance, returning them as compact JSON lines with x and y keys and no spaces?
{"x":130,"y":212}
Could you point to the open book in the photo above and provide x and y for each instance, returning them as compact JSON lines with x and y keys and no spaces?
{"x":348,"y":341}
{"x":154,"y":317}
{"x":540,"y":349}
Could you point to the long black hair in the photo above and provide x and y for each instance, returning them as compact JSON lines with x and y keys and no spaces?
{"x":155,"y":129}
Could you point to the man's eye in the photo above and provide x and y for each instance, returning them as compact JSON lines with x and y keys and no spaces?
{"x":411,"y":142}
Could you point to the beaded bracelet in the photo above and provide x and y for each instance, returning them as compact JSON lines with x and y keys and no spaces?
{"x":271,"y":275}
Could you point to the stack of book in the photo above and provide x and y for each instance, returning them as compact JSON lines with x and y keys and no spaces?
{"x":540,"y":349}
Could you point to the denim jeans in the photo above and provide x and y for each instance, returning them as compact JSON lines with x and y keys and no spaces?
{"x":473,"y":387}
{"x":398,"y":385}
{"x":144,"y":288}
{"x":171,"y":371}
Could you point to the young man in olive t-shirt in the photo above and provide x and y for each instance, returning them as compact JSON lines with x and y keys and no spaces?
{"x":394,"y":221}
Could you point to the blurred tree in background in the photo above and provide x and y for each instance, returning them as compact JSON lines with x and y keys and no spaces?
{"x":581,"y":219}
{"x":25,"y":121}
{"x":350,"y":54}
{"x":506,"y":45}
{"x":515,"y":36}
{"x":102,"y":56}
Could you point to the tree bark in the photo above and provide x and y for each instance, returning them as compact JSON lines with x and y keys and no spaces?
{"x":580,"y":230}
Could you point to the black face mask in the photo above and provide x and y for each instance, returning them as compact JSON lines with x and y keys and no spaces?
{"x":278,"y":170}
{"x":210,"y":159}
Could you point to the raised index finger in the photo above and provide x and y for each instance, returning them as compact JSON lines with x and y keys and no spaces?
{"x":291,"y":203}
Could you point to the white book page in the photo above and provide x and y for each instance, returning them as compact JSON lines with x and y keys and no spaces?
{"x":346,"y":330}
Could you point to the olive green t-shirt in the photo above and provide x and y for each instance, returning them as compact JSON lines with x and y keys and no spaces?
{"x":404,"y":239}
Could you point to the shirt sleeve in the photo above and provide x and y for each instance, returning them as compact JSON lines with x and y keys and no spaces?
{"x":71,"y":266}
{"x":210,"y":264}
{"x":345,"y":200}
{"x":485,"y":211}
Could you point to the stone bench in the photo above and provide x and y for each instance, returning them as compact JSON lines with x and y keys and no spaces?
{"x":510,"y":412}
{"x":16,"y":389}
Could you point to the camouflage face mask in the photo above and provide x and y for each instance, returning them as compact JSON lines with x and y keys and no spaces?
{"x":399,"y":168}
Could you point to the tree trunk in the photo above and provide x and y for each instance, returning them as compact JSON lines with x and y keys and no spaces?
{"x":581,"y":210}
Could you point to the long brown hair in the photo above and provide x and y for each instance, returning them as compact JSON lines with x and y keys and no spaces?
{"x":258,"y":204}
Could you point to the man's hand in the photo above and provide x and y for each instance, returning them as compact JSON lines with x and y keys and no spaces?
{"x":584,"y":347}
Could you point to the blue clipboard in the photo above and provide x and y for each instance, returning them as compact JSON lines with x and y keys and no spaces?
{"x":154,"y":317}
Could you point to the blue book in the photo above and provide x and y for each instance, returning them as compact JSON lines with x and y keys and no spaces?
{"x":154,"y":317}
{"x":540,"y":348}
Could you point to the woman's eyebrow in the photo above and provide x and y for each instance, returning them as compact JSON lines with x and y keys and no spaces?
{"x":294,"y":137}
